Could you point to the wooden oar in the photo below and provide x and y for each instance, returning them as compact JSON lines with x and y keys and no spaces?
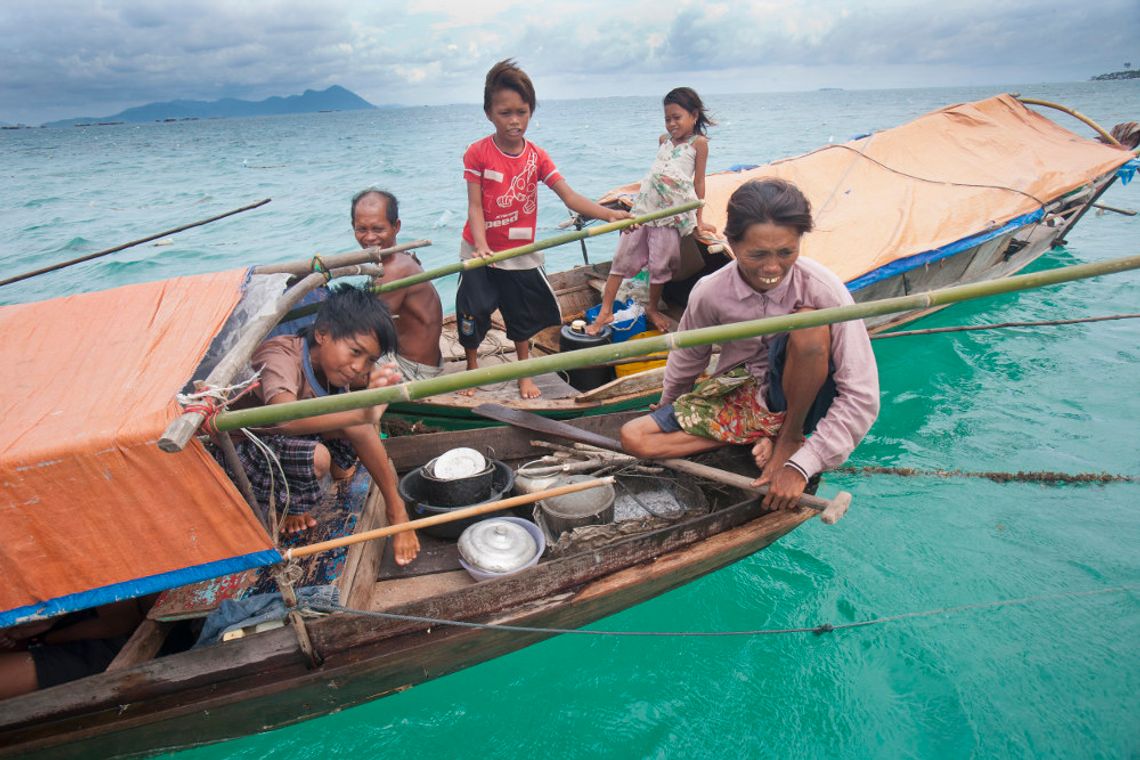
{"x":459,"y":514}
{"x":831,"y":510}
{"x":124,"y":246}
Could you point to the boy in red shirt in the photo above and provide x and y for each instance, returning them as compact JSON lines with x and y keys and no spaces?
{"x":502,"y":172}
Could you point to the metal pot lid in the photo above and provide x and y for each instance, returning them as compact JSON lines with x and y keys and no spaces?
{"x":497,"y":546}
{"x":580,"y":503}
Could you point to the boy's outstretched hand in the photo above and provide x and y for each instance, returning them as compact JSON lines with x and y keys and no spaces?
{"x":381,"y":376}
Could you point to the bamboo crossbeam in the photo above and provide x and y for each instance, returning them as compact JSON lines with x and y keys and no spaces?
{"x":336,"y":260}
{"x":1076,"y":115}
{"x":133,"y":243}
{"x":538,"y":245}
{"x":274,"y":414}
{"x":453,"y":516}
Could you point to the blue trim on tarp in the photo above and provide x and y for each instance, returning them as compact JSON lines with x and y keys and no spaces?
{"x":1127,"y":170}
{"x":151,"y":584}
{"x":921,"y":259}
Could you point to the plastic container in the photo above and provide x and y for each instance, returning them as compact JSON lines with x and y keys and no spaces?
{"x":622,"y":331}
{"x":570,"y":339}
{"x":539,"y":540}
{"x":632,"y":368}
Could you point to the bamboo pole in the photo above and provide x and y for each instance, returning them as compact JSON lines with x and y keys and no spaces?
{"x":453,"y":516}
{"x":539,"y":245}
{"x":276,"y":413}
{"x":1075,"y":114}
{"x":124,"y":246}
{"x":336,"y":260}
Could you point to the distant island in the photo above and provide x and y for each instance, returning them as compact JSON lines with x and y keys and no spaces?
{"x":1126,"y":74}
{"x":335,"y":98}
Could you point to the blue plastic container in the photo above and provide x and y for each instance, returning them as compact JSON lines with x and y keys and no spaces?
{"x":621,"y":330}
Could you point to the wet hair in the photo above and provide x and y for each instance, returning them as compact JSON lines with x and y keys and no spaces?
{"x":506,"y":75}
{"x":350,"y":311}
{"x":687,"y":98}
{"x":391,"y":205}
{"x":770,"y":200}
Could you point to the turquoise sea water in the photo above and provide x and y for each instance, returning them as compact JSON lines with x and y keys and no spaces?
{"x":1057,"y":677}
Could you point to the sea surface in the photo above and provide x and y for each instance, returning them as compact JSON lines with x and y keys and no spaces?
{"x":1054,"y":673}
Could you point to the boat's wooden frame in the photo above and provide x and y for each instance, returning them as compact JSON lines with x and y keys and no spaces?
{"x":266,"y":680}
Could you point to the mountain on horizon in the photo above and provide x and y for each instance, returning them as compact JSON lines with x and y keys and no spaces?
{"x":335,"y":98}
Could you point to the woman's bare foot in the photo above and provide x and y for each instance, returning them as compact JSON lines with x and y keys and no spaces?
{"x":658,"y":320}
{"x":527,"y":388}
{"x":297,"y":523}
{"x":605,"y":316}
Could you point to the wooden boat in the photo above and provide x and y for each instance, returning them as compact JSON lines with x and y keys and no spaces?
{"x":968,"y":193}
{"x":143,"y":705}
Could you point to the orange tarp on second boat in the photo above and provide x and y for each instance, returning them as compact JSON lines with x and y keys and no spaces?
{"x":91,"y":510}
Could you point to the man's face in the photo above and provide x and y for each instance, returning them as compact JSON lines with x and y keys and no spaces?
{"x":371,"y":225}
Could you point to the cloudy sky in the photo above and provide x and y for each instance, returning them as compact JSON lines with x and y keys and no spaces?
{"x":65,"y":58}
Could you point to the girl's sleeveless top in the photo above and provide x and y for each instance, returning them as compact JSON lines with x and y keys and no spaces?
{"x":669,"y":183}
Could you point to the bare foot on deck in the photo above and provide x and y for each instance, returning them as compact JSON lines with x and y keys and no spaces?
{"x":658,"y":320}
{"x":467,"y":391}
{"x":297,"y":523}
{"x":528,"y":389}
{"x":405,"y":547}
{"x":604,"y":318}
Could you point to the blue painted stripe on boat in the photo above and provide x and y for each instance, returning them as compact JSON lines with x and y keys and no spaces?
{"x":117,"y":592}
{"x":921,"y":259}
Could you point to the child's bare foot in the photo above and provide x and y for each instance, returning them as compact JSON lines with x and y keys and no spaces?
{"x":658,"y":320}
{"x":405,"y":547}
{"x":297,"y":523}
{"x":604,"y":318}
{"x":467,"y":391}
{"x":528,"y":389}
{"x":762,"y":452}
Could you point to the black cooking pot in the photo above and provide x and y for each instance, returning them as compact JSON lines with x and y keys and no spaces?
{"x":411,"y":488}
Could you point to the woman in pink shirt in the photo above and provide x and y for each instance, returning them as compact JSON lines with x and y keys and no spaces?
{"x":773,"y":390}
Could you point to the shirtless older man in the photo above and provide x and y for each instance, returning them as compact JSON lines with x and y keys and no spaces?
{"x":417,"y":309}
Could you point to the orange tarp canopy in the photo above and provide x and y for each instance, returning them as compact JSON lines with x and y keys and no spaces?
{"x":91,"y":511}
{"x":927,"y":184}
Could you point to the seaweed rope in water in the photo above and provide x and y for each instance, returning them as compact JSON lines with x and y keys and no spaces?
{"x":817,"y":629}
{"x":1041,"y":477}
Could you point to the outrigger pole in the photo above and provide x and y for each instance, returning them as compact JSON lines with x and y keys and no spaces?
{"x":277,"y":413}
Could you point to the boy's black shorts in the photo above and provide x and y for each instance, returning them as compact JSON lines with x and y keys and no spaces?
{"x":523,"y":296}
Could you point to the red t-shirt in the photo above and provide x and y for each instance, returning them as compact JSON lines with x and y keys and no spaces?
{"x":510,"y":190}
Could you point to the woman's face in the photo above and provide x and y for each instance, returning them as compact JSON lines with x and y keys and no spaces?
{"x":766,"y":253}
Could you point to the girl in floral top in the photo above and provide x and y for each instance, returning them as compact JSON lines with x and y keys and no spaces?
{"x":677,"y":176}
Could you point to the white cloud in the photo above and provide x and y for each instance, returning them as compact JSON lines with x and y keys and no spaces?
{"x":70,"y":58}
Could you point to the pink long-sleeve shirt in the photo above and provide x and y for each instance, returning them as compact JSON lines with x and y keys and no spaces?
{"x":724,"y":298}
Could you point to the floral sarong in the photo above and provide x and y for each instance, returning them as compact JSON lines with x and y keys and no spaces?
{"x":726,"y":408}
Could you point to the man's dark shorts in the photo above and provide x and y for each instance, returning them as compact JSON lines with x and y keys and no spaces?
{"x":666,"y":419}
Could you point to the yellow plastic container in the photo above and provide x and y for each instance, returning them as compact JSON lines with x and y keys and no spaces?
{"x":634,"y":367}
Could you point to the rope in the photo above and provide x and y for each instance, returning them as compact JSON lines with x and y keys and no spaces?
{"x":816,"y":629}
{"x":319,"y":267}
{"x":1041,"y":477}
{"x":969,"y":328}
{"x":271,"y":462}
